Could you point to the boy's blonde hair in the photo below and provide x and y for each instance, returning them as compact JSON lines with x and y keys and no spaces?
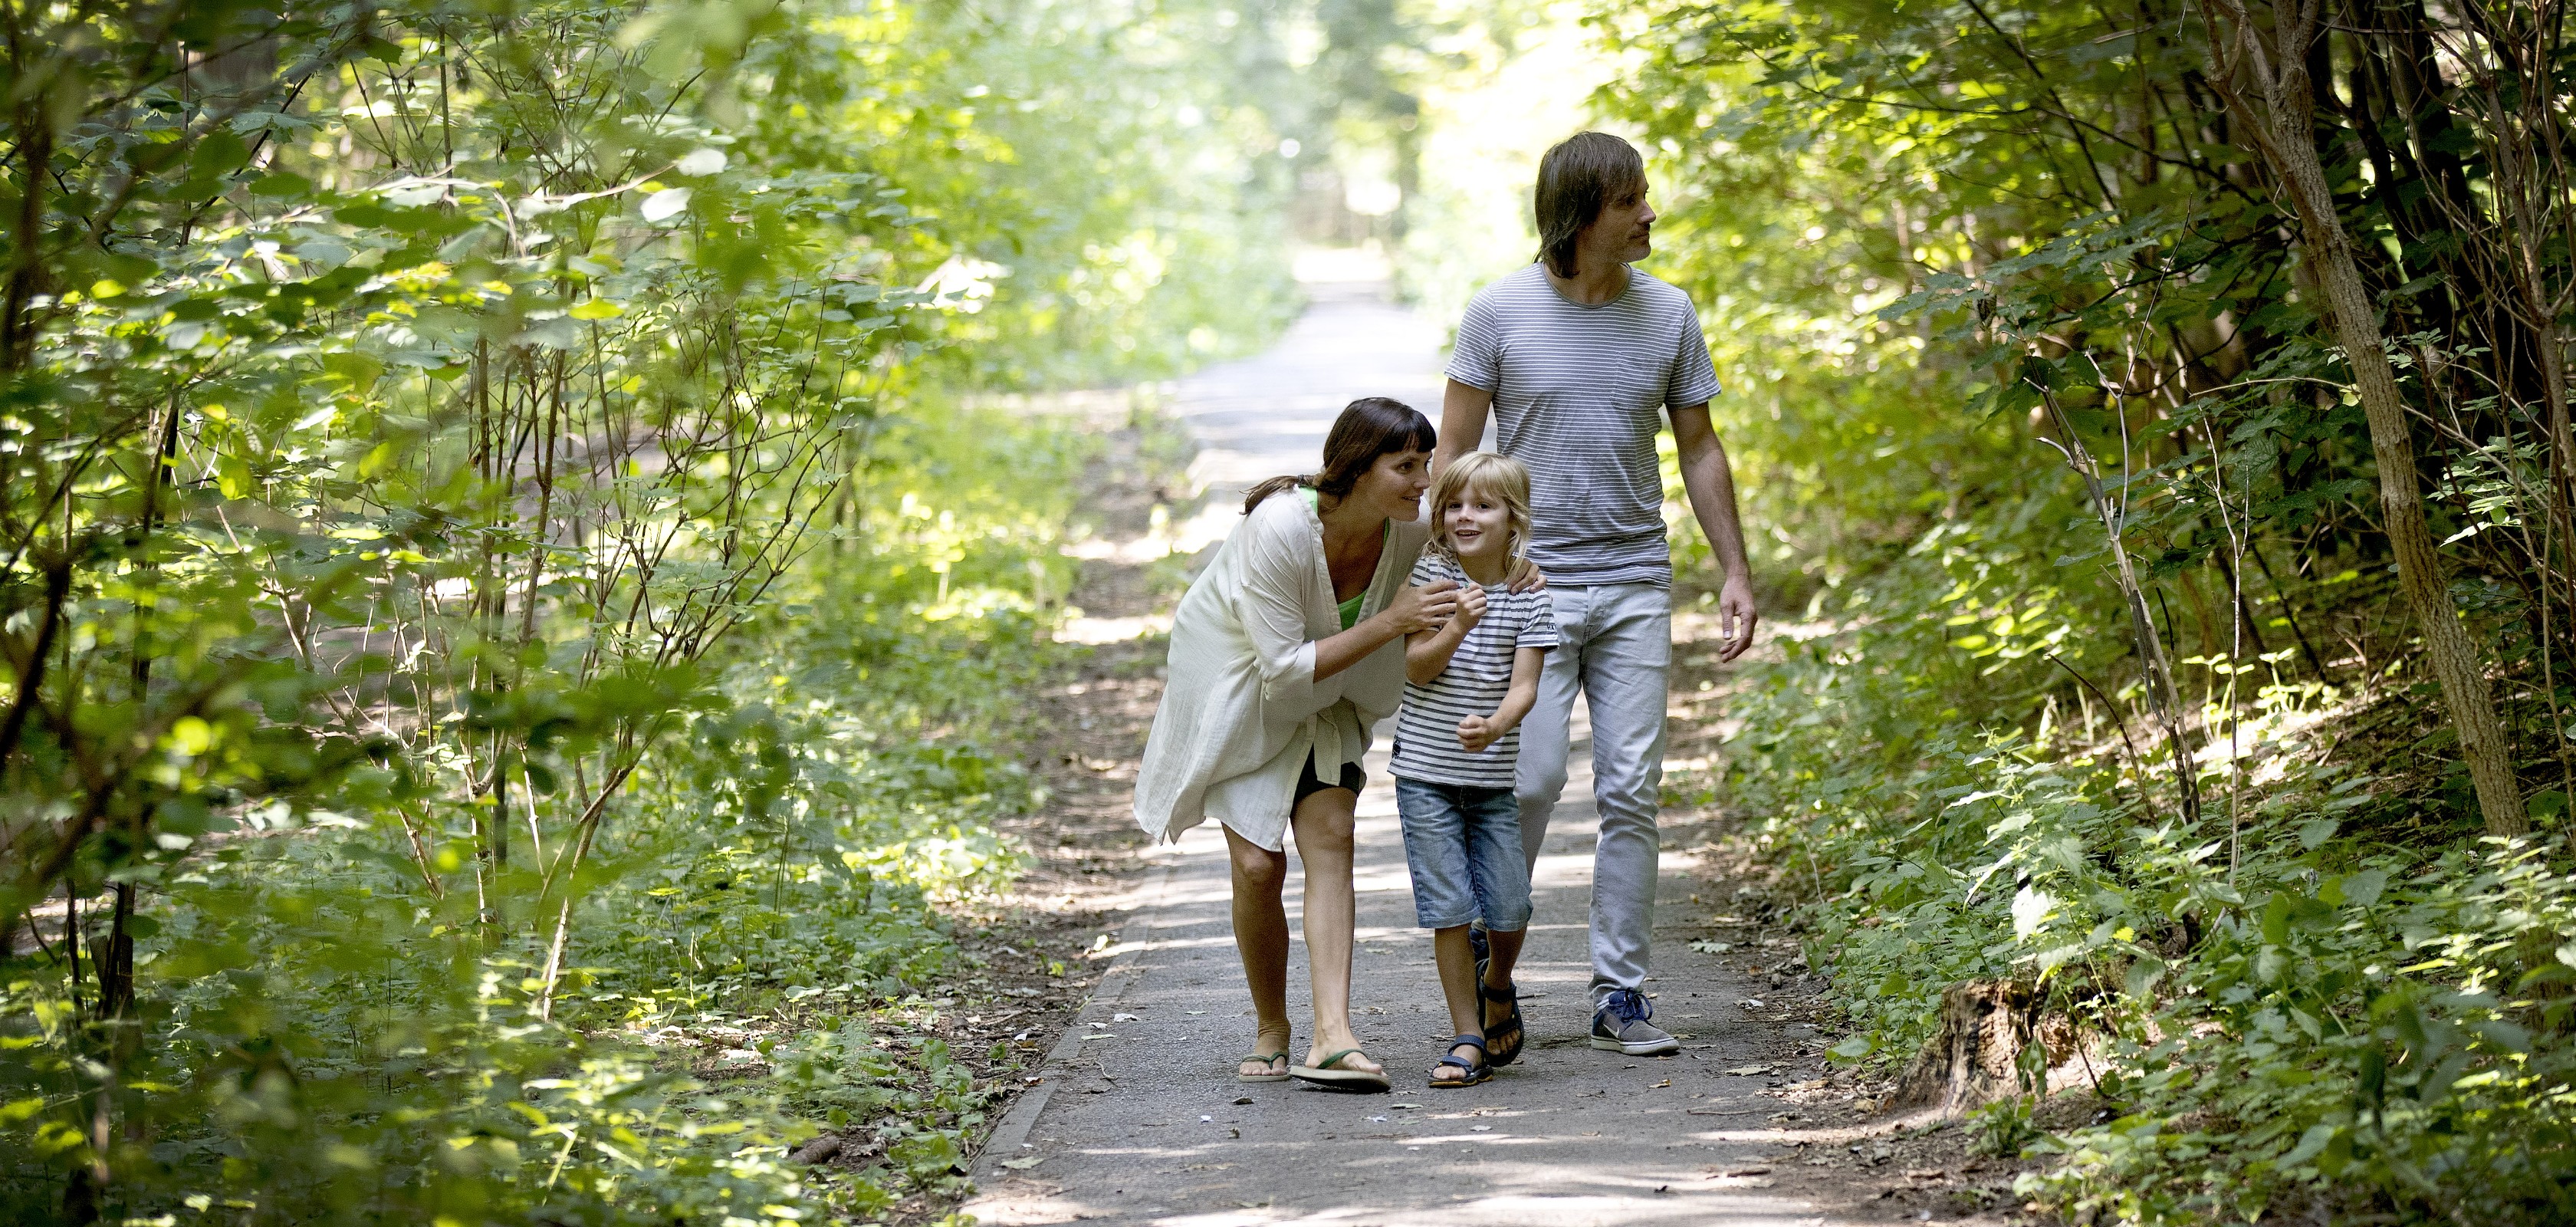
{"x":1496,"y":477}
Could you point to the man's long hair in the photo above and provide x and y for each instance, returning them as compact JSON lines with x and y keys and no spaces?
{"x":1369,"y":427}
{"x":1581,"y":174}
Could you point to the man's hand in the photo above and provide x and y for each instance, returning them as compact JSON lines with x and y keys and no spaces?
{"x":1475,"y":733}
{"x":1736,"y":616}
{"x":1471,"y":607}
{"x":1525,"y":577}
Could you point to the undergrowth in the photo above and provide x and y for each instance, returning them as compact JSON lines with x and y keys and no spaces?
{"x":2295,"y":1001}
{"x":755,"y":950}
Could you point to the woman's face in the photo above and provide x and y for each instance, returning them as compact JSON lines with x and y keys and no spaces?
{"x":1392,"y":488}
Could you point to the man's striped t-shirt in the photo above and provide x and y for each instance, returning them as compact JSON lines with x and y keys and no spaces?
{"x":1578,"y":394}
{"x":1478,"y":676}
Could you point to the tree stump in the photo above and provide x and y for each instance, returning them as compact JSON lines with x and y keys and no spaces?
{"x":1975,"y":1057}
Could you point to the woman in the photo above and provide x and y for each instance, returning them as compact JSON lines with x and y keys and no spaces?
{"x":1284,"y":652}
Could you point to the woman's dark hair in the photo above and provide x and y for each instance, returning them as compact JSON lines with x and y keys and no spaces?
{"x":1582,"y":173}
{"x":1369,"y":427}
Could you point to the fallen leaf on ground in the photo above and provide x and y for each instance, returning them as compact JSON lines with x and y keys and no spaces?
{"x":1747,"y":1071}
{"x":1025,"y":1163}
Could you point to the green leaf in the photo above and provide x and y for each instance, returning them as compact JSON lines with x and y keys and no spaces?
{"x":282,"y":184}
{"x":597,"y":309}
{"x":1853,"y":1049}
{"x":2311,"y":1144}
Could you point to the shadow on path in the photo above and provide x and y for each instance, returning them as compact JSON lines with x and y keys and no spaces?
{"x":1138,"y":1118}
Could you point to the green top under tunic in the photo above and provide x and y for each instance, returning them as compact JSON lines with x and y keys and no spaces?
{"x":1350,"y":608}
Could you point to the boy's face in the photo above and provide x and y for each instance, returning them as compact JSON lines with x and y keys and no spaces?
{"x":1478,"y":524}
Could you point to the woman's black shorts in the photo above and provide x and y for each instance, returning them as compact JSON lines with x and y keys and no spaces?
{"x":1309,"y":783}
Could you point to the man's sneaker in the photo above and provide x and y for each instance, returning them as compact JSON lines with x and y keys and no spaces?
{"x":1620,"y":1026}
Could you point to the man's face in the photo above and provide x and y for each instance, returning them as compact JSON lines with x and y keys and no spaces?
{"x":1624,"y":231}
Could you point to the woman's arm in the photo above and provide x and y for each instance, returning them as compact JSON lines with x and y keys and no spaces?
{"x":1410,"y":611}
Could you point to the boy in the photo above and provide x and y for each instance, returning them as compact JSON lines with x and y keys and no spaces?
{"x":1457,"y":739}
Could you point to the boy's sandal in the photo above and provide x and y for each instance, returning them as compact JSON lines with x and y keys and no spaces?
{"x":1267,"y":1074}
{"x":1322,"y":1073}
{"x":1470,"y":1072}
{"x":1503,"y":1038}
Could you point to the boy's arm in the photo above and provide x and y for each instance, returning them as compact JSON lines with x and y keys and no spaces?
{"x":1427,"y":653}
{"x":1523,"y":695}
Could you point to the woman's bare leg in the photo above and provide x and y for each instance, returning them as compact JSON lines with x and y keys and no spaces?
{"x":1323,"y":826}
{"x":1261,"y":937}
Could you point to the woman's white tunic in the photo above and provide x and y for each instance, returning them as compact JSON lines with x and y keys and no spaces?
{"x":1241,"y":707}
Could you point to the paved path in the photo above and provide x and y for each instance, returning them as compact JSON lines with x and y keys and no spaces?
{"x":1267,"y":415}
{"x":1138,"y":1118}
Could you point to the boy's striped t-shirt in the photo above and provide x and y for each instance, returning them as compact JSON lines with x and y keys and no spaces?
{"x":1478,"y":676}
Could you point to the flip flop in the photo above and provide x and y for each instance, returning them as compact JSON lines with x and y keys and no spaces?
{"x":1265,"y":1059}
{"x":1322,"y":1074}
{"x":1477,"y":1071}
{"x":1503,"y":1038}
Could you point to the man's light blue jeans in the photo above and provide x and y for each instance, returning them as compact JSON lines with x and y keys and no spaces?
{"x":1615,"y":646}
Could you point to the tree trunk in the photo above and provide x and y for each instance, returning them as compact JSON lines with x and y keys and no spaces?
{"x":1977,"y":1055}
{"x":2281,"y":123}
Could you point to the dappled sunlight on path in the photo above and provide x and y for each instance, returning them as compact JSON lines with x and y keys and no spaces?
{"x":1138,"y":1118}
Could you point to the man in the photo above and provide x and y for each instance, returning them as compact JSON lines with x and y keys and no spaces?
{"x":1573,"y":357}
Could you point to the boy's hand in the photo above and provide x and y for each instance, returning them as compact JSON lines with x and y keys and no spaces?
{"x":1471,"y":606}
{"x":1475,"y":733}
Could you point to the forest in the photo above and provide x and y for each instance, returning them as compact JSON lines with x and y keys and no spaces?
{"x":516,"y":545}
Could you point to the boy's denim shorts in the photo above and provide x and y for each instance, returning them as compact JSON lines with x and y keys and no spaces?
{"x":1463,"y":845}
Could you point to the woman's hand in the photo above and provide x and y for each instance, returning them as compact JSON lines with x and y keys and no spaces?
{"x":1421,"y":609}
{"x":1525,"y":577}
